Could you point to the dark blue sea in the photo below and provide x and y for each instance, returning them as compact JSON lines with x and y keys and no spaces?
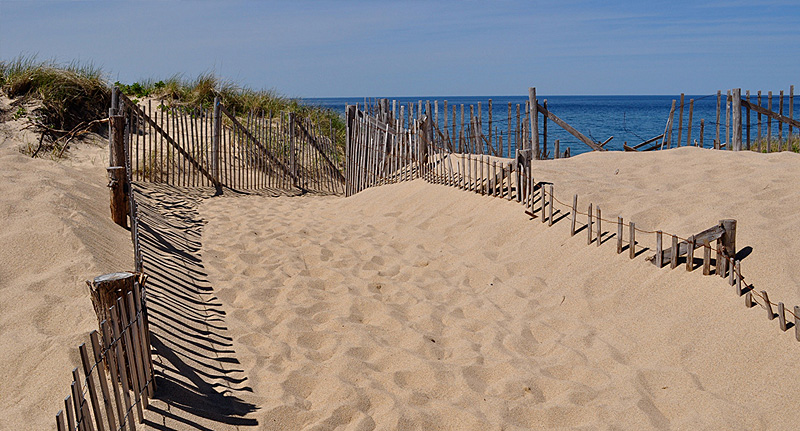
{"x":631,"y":119}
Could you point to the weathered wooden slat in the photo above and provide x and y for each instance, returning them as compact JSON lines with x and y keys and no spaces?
{"x":571,"y":130}
{"x":121,"y":371}
{"x":619,"y":235}
{"x":574,"y":215}
{"x":133,"y":369}
{"x":767,"y":305}
{"x":101,"y":367}
{"x":589,"y":226}
{"x":599,"y":234}
{"x":659,"y":260}
{"x":797,"y":323}
{"x":706,"y":256}
{"x":782,"y":317}
{"x":632,"y":240}
{"x":738,"y":270}
{"x":712,"y":234}
{"x":673,"y":260}
{"x":667,"y":135}
{"x":550,"y":208}
{"x":771,"y":114}
{"x":653,"y":139}
{"x":691,"y":245}
{"x":87,"y":372}
{"x":70,"y":416}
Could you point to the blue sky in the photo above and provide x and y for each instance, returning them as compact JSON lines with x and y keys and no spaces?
{"x":431,"y":48}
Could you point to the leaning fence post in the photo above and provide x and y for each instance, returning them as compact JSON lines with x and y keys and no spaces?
{"x":534,"y":124}
{"x":737,"y":119}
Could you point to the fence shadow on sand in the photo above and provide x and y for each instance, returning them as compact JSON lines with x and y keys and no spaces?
{"x":198,"y":377}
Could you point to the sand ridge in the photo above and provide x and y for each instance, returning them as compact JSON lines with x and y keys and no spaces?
{"x":417,"y":306}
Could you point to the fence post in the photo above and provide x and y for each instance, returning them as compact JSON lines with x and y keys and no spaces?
{"x":737,"y":120}
{"x":728,"y":237}
{"x":350,"y":112}
{"x":119,"y":178}
{"x":216,"y":122}
{"x":292,"y":156}
{"x":534,"y":124}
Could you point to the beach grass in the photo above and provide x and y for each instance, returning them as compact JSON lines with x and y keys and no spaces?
{"x":60,"y":98}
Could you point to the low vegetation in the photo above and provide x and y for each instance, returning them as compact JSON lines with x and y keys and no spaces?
{"x":776,"y":143}
{"x":65,"y":101}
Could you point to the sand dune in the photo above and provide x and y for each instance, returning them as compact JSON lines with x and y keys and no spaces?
{"x":55,"y":232}
{"x":418,"y":306}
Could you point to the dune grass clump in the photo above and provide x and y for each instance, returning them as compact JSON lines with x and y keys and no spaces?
{"x":65,"y":96}
{"x":64,"y":101}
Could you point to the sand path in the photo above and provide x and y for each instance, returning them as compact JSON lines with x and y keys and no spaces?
{"x":416,"y":306}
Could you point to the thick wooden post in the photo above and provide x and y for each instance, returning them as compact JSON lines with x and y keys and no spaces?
{"x":737,"y":120}
{"x":117,"y":172}
{"x":728,"y":238}
{"x":534,"y":120}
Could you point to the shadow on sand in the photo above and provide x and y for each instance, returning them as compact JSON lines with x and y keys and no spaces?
{"x":199,"y":380}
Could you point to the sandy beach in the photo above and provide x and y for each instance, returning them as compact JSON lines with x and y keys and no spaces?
{"x":418,"y":306}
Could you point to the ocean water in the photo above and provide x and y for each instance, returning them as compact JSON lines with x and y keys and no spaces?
{"x":631,"y":119}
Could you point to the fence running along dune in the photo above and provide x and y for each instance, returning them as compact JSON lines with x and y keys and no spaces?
{"x":382,"y":149}
{"x":193,"y":146}
{"x":184,"y":146}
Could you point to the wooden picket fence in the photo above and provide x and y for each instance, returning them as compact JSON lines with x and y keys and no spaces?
{"x":118,"y":378}
{"x":193,"y":146}
{"x":733,"y":124}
